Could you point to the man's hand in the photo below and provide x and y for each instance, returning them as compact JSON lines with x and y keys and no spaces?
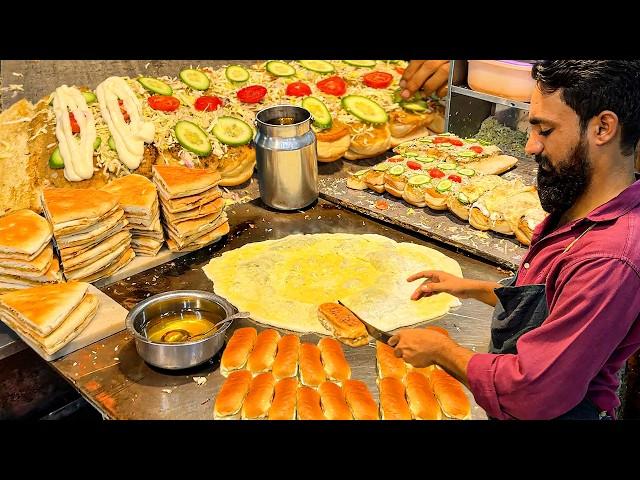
{"x":430,"y":75}
{"x":437,"y":281}
{"x":418,"y":346}
{"x":422,"y":347}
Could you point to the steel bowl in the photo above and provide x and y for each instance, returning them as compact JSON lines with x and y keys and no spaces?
{"x":179,"y":355}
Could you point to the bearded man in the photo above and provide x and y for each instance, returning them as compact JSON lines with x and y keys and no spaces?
{"x":565,"y":324}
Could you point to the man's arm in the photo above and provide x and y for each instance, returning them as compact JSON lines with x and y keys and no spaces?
{"x":592,"y":317}
{"x":422,"y":347}
{"x":437,"y":281}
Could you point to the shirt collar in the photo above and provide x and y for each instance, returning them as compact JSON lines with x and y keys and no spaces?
{"x":618,"y":206}
{"x":614,"y":208}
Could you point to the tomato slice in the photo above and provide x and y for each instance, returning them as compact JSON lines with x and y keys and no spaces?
{"x":125,"y":114}
{"x":251,"y":94}
{"x":400,"y":70}
{"x":394,"y":160}
{"x":476,"y":148}
{"x":382,"y":205}
{"x":377,"y":79}
{"x":414,"y":165}
{"x":333,"y":86}
{"x":75,"y":128}
{"x":436,"y":173}
{"x":455,"y":178}
{"x":207,"y":103}
{"x":452,"y":141}
{"x":164,"y":103}
{"x":298,"y":89}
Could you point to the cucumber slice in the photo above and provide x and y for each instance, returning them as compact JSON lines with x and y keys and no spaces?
{"x":484,"y":143}
{"x":319,"y":66}
{"x":156,"y":86}
{"x":89,"y":97}
{"x":192,"y":138}
{"x":419,"y":180}
{"x":320,"y":112}
{"x":360,"y":63}
{"x":415,"y":106}
{"x":96,"y":143}
{"x":360,"y":173}
{"x":462,"y":198}
{"x":382,"y":167}
{"x":195,"y":79}
{"x":396,"y":170}
{"x":426,"y":140}
{"x":236,"y":73}
{"x":471,"y":140}
{"x":365,"y":109}
{"x":111,"y":143}
{"x":55,"y":160}
{"x":444,"y":185}
{"x":410,"y":154}
{"x":280,"y":69}
{"x":467,"y":153}
{"x":467,"y":172}
{"x":426,"y":159}
{"x":447,"y":166}
{"x":232,"y":131}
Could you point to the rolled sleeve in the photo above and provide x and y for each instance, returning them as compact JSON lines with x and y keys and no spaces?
{"x":480,"y":373}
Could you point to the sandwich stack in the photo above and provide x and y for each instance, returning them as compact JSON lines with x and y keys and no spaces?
{"x":50,"y":315}
{"x":26,"y":252}
{"x":138,"y":196}
{"x":192,"y":206}
{"x":89,"y":232}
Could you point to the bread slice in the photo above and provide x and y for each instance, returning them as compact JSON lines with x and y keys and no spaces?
{"x":283,"y":406}
{"x":308,"y":401}
{"x":343,"y":324}
{"x":286,"y":363}
{"x":231,"y":396}
{"x":335,"y":364}
{"x":42,"y":309}
{"x":333,"y":403}
{"x":258,"y":401}
{"x":360,"y":400}
{"x":24,"y":232}
{"x":238,"y":348}
{"x":263,"y":354}
{"x":393,"y":403}
{"x":311,"y":369}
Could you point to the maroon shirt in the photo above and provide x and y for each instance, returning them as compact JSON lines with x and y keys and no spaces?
{"x":593,"y":295}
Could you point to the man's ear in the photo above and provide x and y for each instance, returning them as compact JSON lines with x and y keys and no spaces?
{"x":605,"y":127}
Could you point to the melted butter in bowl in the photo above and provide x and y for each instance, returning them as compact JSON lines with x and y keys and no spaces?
{"x":183,"y":326}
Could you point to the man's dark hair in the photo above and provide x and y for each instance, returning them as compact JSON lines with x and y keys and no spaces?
{"x":592,"y":86}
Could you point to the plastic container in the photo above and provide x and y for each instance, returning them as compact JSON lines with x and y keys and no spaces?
{"x":504,"y":78}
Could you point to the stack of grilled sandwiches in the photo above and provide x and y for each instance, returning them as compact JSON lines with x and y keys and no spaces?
{"x":192,"y":206}
{"x":50,"y":315}
{"x":26,"y":253}
{"x":138,"y":196}
{"x":89,"y":229}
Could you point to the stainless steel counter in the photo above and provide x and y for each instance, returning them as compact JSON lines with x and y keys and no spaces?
{"x":120,"y":385}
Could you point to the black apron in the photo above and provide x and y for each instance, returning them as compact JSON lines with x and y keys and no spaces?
{"x":520,"y":310}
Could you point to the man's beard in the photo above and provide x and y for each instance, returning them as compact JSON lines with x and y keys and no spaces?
{"x":561,"y":186}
